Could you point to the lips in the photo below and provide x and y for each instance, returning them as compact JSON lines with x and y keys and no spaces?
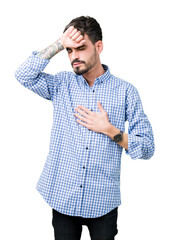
{"x":77,"y":64}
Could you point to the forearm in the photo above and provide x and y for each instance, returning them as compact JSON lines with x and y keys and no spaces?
{"x":111,"y":131}
{"x":50,"y":51}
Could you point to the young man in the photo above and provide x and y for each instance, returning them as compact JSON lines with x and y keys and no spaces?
{"x":81,"y":176}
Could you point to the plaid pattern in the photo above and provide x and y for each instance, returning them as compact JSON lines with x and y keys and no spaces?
{"x":81,"y":175}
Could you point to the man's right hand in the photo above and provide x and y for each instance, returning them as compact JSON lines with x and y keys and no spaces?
{"x":72,"y":38}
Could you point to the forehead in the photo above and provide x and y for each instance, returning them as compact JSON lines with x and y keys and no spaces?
{"x":88,"y":41}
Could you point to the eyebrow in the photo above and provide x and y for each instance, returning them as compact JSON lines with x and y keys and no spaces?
{"x":77,"y":47}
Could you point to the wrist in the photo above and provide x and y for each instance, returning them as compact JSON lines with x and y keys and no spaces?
{"x":60,"y":43}
{"x":111,"y":130}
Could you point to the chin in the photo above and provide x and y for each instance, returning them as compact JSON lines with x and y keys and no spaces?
{"x":79,"y":71}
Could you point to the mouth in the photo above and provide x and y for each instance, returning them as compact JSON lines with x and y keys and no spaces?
{"x":77,"y":64}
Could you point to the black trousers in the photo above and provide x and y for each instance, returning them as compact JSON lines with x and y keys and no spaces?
{"x":70,"y":227}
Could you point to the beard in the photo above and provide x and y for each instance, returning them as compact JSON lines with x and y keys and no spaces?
{"x":86,"y":66}
{"x":80,"y":71}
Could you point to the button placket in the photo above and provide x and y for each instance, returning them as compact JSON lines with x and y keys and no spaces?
{"x":83,"y":168}
{"x":91,"y":91}
{"x":91,"y":108}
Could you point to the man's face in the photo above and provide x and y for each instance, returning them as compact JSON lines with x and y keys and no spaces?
{"x":83,"y":58}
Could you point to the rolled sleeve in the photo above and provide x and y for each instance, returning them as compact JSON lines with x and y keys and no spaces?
{"x":140,"y":134}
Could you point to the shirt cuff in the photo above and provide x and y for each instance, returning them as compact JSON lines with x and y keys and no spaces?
{"x":134,"y":146}
{"x":37,"y":63}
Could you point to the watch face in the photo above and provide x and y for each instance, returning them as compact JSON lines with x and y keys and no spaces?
{"x":118,"y":138}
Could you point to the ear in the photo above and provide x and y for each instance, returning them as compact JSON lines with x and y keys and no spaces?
{"x":99,"y":46}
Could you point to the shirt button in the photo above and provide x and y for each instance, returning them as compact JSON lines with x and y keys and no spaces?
{"x":81,"y":186}
{"x":83,"y":167}
{"x":93,"y":90}
{"x":86,"y":147}
{"x":91,"y":109}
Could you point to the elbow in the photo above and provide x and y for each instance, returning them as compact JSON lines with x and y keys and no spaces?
{"x":19,"y":76}
{"x":24,"y":78}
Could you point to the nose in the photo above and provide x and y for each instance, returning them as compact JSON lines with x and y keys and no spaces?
{"x":74,"y":55}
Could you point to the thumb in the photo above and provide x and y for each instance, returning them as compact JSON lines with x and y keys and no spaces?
{"x":100,"y":106}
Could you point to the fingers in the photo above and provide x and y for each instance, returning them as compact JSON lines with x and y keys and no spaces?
{"x":73,"y":32}
{"x":76,"y":35}
{"x":79,"y":39}
{"x":81,"y":43}
{"x":73,"y":38}
{"x":70,"y":29}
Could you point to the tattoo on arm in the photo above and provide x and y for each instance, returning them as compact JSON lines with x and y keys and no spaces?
{"x":50,"y":51}
{"x":60,"y":46}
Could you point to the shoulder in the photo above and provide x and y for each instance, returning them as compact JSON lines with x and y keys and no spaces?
{"x":65,"y":75}
{"x":64,"y":78}
{"x":126,"y":85}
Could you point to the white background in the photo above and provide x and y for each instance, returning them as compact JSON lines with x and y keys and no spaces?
{"x":136,"y":49}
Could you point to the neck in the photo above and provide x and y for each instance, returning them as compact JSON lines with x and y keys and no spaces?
{"x":94,"y":73}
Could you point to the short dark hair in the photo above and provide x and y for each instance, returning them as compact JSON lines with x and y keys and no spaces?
{"x":87,"y":25}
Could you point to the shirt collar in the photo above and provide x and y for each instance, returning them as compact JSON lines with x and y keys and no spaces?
{"x":104,"y":77}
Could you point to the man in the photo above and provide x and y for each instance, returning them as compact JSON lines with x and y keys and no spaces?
{"x":81,"y":176}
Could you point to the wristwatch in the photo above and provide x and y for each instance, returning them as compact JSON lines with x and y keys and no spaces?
{"x":118,"y":137}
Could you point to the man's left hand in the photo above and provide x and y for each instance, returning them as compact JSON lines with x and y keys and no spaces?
{"x":97,"y":122}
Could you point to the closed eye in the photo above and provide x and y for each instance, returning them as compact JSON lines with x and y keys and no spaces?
{"x":69,"y":50}
{"x":81,"y":47}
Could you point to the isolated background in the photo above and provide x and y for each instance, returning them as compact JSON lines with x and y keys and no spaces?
{"x":136,"y":48}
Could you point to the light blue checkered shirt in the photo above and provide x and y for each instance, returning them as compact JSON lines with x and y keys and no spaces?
{"x":81,"y":175}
